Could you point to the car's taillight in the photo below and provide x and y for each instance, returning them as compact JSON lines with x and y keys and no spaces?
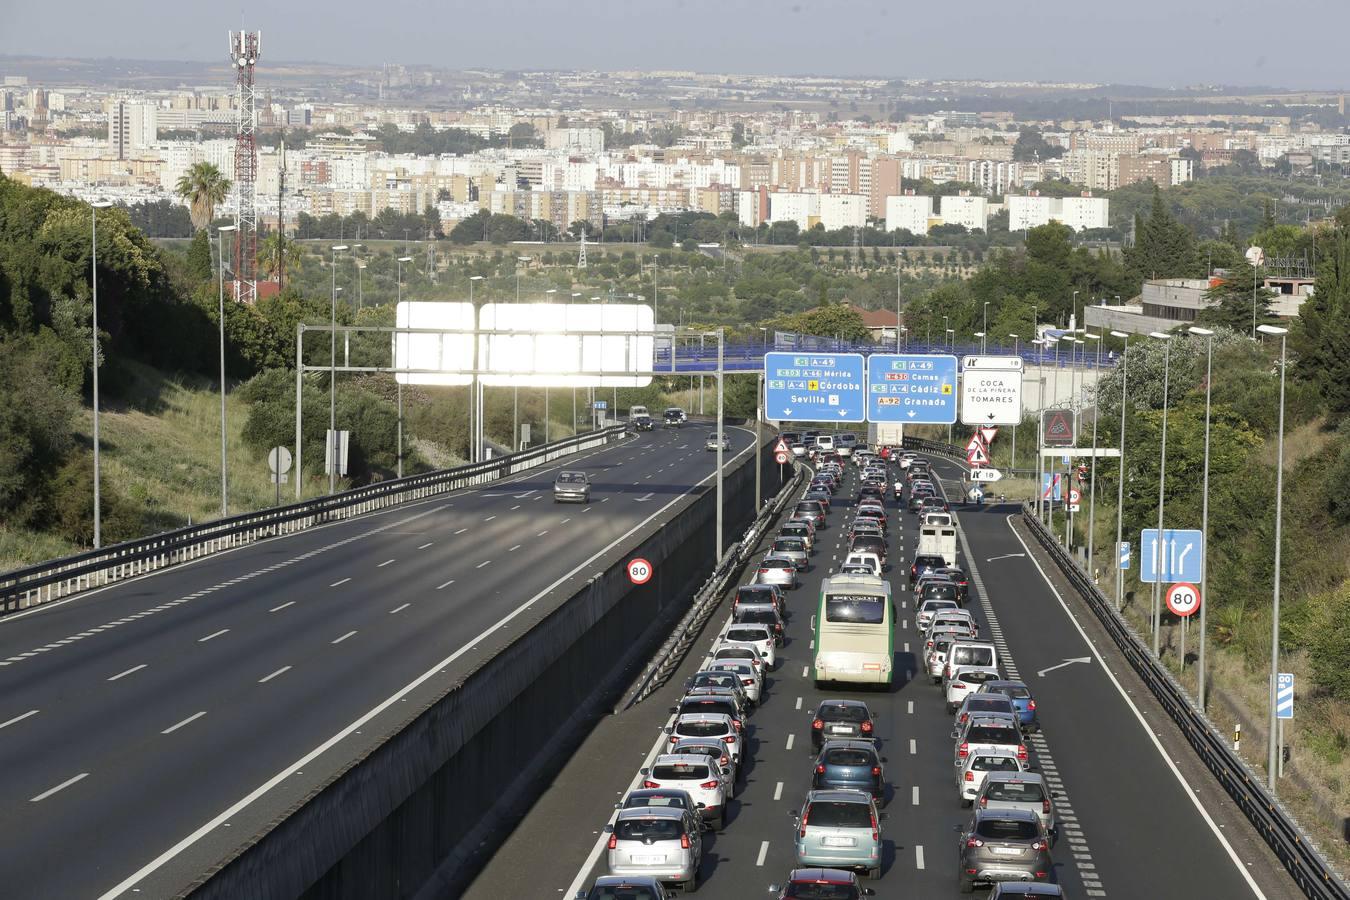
{"x":876,"y":770}
{"x":957,"y":684}
{"x":820,"y":770}
{"x":964,"y":750}
{"x":648,"y":783}
{"x":1031,"y":705}
{"x":684,"y":842}
{"x":1045,"y":806}
{"x":1022,"y":751}
{"x":984,"y":803}
{"x":730,"y":739}
{"x":674,"y":738}
{"x":817,"y":724}
{"x":613,"y":841}
{"x":867,"y":727}
{"x":974,"y":842}
{"x":709,"y":785}
{"x":970,"y":776}
{"x":875,"y":835}
{"x":747,"y":681}
{"x":1038,"y":845}
{"x":806,"y":814}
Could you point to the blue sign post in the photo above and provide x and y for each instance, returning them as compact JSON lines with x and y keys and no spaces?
{"x":1123,"y":554}
{"x":914,"y":388}
{"x":1284,"y":695}
{"x":1181,"y":554}
{"x":815,"y":387}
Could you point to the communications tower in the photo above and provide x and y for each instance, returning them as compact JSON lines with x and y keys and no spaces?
{"x":245,"y":47}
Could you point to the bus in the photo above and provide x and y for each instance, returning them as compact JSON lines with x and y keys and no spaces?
{"x":854,"y":628}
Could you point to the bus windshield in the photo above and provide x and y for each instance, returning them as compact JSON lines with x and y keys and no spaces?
{"x":856,"y":609}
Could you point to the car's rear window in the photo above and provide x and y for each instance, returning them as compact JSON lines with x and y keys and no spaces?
{"x":702,"y":729}
{"x":976,"y":677}
{"x":939,"y":591}
{"x":989,"y":702}
{"x":622,"y":892}
{"x":992,"y":734}
{"x":1015,"y":691}
{"x":680,"y":772}
{"x":932,"y":605}
{"x":670,"y":801}
{"x":841,"y":712}
{"x":647,"y":830}
{"x":792,"y":544}
{"x":995,"y":764}
{"x":722,"y":681}
{"x":760,"y":616}
{"x":928,"y":561}
{"x":1016,"y":792}
{"x":707,"y":705}
{"x":834,"y":814}
{"x":848,"y":757}
{"x":711,"y":750}
{"x":750,"y":594}
{"x":810,"y":506}
{"x":817,"y":891}
{"x":1007,"y":829}
{"x":746,"y":634}
{"x":736,"y":653}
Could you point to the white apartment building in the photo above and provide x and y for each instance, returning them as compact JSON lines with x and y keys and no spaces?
{"x":1030,"y":211}
{"x":132,"y":127}
{"x":581,"y":140}
{"x":970,"y":211}
{"x":1079,"y":213}
{"x":994,"y":176}
{"x":790,"y":206}
{"x":908,"y":211}
{"x":1083,"y":213}
{"x":843,"y":211}
{"x":1183,"y":169}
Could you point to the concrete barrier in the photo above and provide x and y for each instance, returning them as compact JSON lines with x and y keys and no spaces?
{"x":421,"y":812}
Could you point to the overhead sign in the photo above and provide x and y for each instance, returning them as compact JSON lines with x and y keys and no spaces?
{"x":1284,"y":695}
{"x":985,"y":474}
{"x":639,"y":570}
{"x":1050,"y":486}
{"x":815,"y":387}
{"x":1123,"y":554}
{"x":1183,"y":599}
{"x":1180,"y":556}
{"x":1057,"y":428}
{"x":916,"y":388}
{"x":991,"y":390}
{"x":441,"y":358}
{"x":552,"y":344}
{"x":988,"y":432}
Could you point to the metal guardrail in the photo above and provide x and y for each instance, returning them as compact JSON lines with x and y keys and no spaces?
{"x":54,"y":579}
{"x":951,"y":450}
{"x":707,"y":598}
{"x":1310,"y":870}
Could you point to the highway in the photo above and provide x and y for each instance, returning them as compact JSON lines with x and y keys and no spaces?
{"x":1130,"y":828}
{"x":149,"y":729}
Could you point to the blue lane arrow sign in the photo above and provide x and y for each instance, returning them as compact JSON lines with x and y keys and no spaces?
{"x":918,"y":388}
{"x":1284,"y":695}
{"x":1181,"y":554}
{"x":815,"y":387}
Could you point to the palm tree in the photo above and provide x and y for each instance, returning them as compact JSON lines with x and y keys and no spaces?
{"x":204,"y":188}
{"x":269,"y":258}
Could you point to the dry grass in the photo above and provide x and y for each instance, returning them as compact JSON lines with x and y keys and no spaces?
{"x":1299,"y":443}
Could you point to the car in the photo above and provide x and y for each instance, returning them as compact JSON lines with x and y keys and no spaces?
{"x":790,"y":438}
{"x":794,"y":549}
{"x":1003,"y":845}
{"x":823,"y":483}
{"x":638,"y":410}
{"x":802,"y":530}
{"x":928,"y":609}
{"x":617,"y":887}
{"x":698,"y":774}
{"x":985,"y":731}
{"x":971,"y":773}
{"x":856,"y":569}
{"x":666,"y":844}
{"x":1020,"y":790}
{"x":850,"y":765}
{"x":672,"y":418}
{"x":936,"y":589}
{"x":865,"y":526}
{"x":812,"y":511}
{"x":835,"y":719}
{"x":716,"y":439}
{"x":1024,"y":890}
{"x":572,"y":487}
{"x":820,"y":884}
{"x":866,"y":563}
{"x":752,"y":634}
{"x":752,"y":594}
{"x":957,"y":576}
{"x":760,"y":614}
{"x":907,"y":459}
{"x":869,"y":543}
{"x":711,"y":705}
{"x":727,"y":682}
{"x":643,"y":423}
{"x":707,"y":725}
{"x":922,"y":563}
{"x":971,"y":653}
{"x":825,"y":443}
{"x":933,"y":503}
{"x":641,"y":798}
{"x":872,"y":491}
{"x":1022,"y":700}
{"x":839,"y":829}
{"x":915,"y":502}
{"x":873,"y":512}
{"x":959,"y":620}
{"x":821,"y":496}
{"x":751,"y":676}
{"x":983,"y":703}
{"x":777,"y":570}
{"x":738,"y":698}
{"x":714,"y":749}
{"x":748,"y":652}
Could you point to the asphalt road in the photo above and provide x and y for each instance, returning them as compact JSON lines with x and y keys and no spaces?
{"x":1129,"y":826}
{"x":149,"y":729}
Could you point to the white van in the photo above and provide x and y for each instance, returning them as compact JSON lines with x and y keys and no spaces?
{"x":825,"y":442}
{"x":846,"y":443}
{"x":970,"y":654}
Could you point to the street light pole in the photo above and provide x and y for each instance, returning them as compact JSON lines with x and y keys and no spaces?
{"x":984,"y":326}
{"x":334,"y":444}
{"x":1162,"y":483}
{"x":1204,"y":515}
{"x":1092,"y":476}
{"x":1272,"y":760}
{"x":93,"y":276}
{"x":398,"y":381}
{"x":220,"y":269}
{"x":1120,"y":477}
{"x":475,"y":390}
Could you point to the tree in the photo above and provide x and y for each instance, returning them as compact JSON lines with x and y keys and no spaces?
{"x":1031,"y":146}
{"x":1235,"y":299}
{"x":1163,"y":247}
{"x":204,"y":188}
{"x":1321,"y":340}
{"x":270,"y":253}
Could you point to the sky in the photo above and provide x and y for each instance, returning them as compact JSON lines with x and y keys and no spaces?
{"x":1165,"y":43}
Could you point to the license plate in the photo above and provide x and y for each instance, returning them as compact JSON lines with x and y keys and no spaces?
{"x":648,"y":859}
{"x":1007,"y":851}
{"x":840,"y":729}
{"x":838,"y":842}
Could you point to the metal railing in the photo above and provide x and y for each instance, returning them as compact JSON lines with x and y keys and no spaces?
{"x":708,"y":597}
{"x":1310,"y":870}
{"x":54,"y":579}
{"x":944,"y":449}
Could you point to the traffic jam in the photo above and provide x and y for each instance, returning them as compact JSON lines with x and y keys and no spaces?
{"x":829,"y":577}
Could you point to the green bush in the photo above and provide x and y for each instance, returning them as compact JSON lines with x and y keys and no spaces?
{"x":72,"y":506}
{"x":1329,"y":648}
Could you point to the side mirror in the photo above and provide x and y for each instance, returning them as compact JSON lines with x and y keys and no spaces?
{"x":643,"y":771}
{"x":669,"y":730}
{"x":703,"y":806}
{"x":794,"y":814}
{"x":581,"y":895}
{"x":617,"y":806}
{"x":775,"y":888}
{"x":609,"y":829}
{"x":868,"y":892}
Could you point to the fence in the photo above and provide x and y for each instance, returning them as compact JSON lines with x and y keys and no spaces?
{"x":54,"y":579}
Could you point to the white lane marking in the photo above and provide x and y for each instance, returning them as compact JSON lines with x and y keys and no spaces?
{"x":918,"y":856}
{"x":267,"y":678}
{"x":565,"y":521}
{"x":914,"y":798}
{"x":514,"y":549}
{"x":34,"y":712}
{"x":913,"y":746}
{"x":799,"y":703}
{"x":806,"y":670}
{"x":120,"y":675}
{"x":542,"y":533}
{"x":60,"y":787}
{"x":446,"y":585}
{"x":489,"y":518}
{"x":210,"y":636}
{"x":516,"y":507}
{"x":426,"y":545}
{"x":190,"y":719}
{"x":483,"y":563}
{"x":282,"y":606}
{"x":344,"y":637}
{"x":339,"y":583}
{"x":778,"y":791}
{"x":399,"y":608}
{"x":910,"y":708}
{"x":461,"y":531}
{"x":383,"y":564}
{"x":763,"y":852}
{"x":791,"y":738}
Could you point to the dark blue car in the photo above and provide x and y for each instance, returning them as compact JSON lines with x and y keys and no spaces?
{"x":1023,"y":702}
{"x":850,"y":765}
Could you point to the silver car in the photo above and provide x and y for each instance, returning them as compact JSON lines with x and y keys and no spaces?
{"x":792,"y":548}
{"x":928,"y":611}
{"x":1020,"y":790}
{"x":714,"y":749}
{"x":701,"y":776}
{"x":752,"y":676}
{"x":1007,"y":845}
{"x":664,"y":843}
{"x":713,"y":440}
{"x":839,"y":829}
{"x":708,"y":725}
{"x":777,"y":570}
{"x":572,"y":487}
{"x":760,"y":636}
{"x":970,"y":775}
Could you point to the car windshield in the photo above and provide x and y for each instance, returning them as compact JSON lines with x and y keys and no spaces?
{"x":935,"y":605}
{"x":1015,"y":792}
{"x":848,"y":757}
{"x":858,"y":609}
{"x":680,"y":772}
{"x":746,"y":634}
{"x":810,"y":890}
{"x":702,"y":729}
{"x":1007,"y":829}
{"x":841,"y":712}
{"x":992,"y":734}
{"x":674,"y":801}
{"x":995,"y":764}
{"x":571,"y":478}
{"x":647,"y":830}
{"x":836,"y":814}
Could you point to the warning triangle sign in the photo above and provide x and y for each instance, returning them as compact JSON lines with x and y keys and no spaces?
{"x":988,"y":432}
{"x":976,"y":455}
{"x":781,"y":446}
{"x":1058,"y":428}
{"x":975,"y":443}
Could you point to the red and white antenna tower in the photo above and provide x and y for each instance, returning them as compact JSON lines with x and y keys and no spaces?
{"x":245,"y":47}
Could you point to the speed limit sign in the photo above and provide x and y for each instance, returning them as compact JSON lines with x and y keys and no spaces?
{"x":639,"y":570}
{"x":1183,"y":599}
{"x":781,"y":457}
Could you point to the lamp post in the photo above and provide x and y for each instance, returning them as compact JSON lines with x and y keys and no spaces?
{"x":220,"y":269}
{"x":1208,"y":335}
{"x":548,"y":295}
{"x":945,"y":330}
{"x":1073,"y":314}
{"x":1162,"y":483}
{"x":1092,"y":475}
{"x":980,"y":335}
{"x":397,"y":381}
{"x":334,"y":445}
{"x":93,"y":276}
{"x":1272,"y":760}
{"x":984,"y":324}
{"x":475,"y":389}
{"x":904,"y":329}
{"x":1120,"y":477}
{"x":1040,"y":410}
{"x":515,"y":388}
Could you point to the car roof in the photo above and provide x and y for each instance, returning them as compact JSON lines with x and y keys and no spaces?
{"x":819,"y":874}
{"x":662,"y":792}
{"x":655,"y":812}
{"x":841,"y":702}
{"x":680,"y":757}
{"x":1024,"y":815}
{"x":1034,"y":777}
{"x":837,"y":795}
{"x":1029,"y":887}
{"x":703,"y":717}
{"x":1006,"y":682}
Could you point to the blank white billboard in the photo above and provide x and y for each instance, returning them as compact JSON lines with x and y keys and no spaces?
{"x":542,"y":354}
{"x":448,"y":356}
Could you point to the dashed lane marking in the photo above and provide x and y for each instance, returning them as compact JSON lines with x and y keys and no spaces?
{"x":344,"y":637}
{"x":282,"y":606}
{"x":210,"y":636}
{"x":267,"y":678}
{"x":119,"y":675}
{"x":188,"y":721}
{"x":60,"y":787}
{"x":34,"y":712}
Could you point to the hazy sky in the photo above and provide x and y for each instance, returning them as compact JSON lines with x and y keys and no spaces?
{"x":1294,"y":43}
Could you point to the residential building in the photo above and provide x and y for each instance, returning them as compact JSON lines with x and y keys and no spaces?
{"x":910,"y":212}
{"x":1079,"y":213}
{"x":843,"y":211}
{"x":131,"y":127}
{"x":967,"y":210}
{"x":793,"y":206}
{"x":581,"y":140}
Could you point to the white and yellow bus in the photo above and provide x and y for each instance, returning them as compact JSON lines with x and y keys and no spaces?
{"x":854,"y":630}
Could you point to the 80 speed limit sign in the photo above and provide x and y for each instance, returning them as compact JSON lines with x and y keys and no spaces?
{"x":1183,"y":599}
{"x":639,"y":570}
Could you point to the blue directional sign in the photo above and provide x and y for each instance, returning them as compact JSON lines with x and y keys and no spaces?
{"x":815,"y":387}
{"x":1123,"y":554}
{"x":1180,"y":556}
{"x":914,"y":388}
{"x":1284,"y":695}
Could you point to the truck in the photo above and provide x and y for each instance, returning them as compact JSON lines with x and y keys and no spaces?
{"x":885,"y":434}
{"x":938,"y":540}
{"x":637,"y":411}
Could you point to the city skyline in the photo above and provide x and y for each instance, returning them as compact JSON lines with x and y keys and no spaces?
{"x":1152,"y":42}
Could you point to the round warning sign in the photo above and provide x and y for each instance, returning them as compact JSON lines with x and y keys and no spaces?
{"x":639,"y":571}
{"x":781,"y":457}
{"x":1183,"y":599}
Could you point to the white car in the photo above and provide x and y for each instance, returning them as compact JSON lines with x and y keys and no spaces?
{"x":752,"y":676}
{"x":966,"y":680}
{"x":708,"y":725}
{"x":752,"y":634}
{"x":870,"y":560}
{"x":907,"y":459}
{"x":929,"y":609}
{"x":700,"y":775}
{"x":726,"y":650}
{"x":972,"y":770}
